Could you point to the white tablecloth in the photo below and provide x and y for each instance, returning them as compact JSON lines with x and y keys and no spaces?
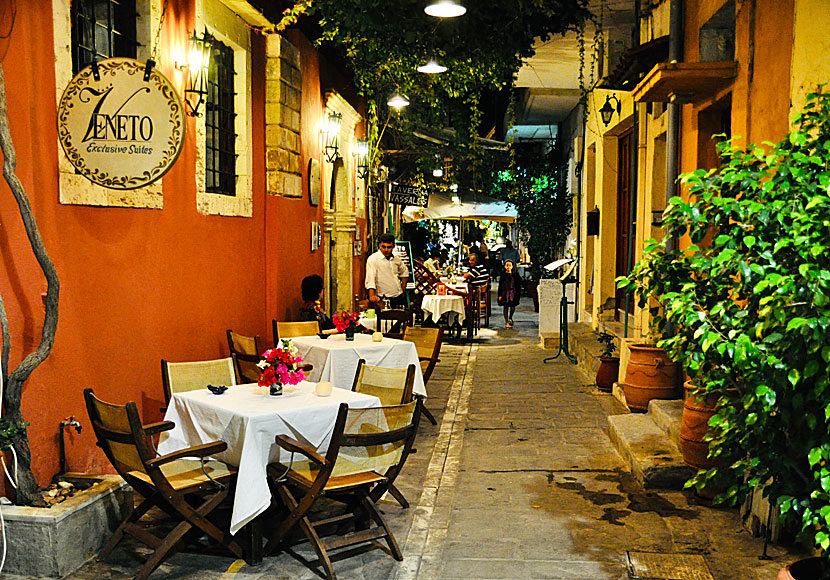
{"x":369,"y":322}
{"x":458,"y":287}
{"x":335,"y":359}
{"x":436,"y":306}
{"x":248,"y":419}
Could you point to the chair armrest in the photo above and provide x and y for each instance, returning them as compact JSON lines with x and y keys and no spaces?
{"x":156,"y":428}
{"x":204,"y":450}
{"x":294,"y":446}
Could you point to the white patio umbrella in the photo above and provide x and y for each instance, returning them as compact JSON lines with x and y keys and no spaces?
{"x":473,"y":207}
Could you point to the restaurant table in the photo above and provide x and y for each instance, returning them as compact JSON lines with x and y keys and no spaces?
{"x":459,"y":287}
{"x":370,"y":323}
{"x":335,"y":359}
{"x":248,"y":419}
{"x":436,"y":306}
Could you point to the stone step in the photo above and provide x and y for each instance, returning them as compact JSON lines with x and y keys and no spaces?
{"x":653,"y":458}
{"x":667,"y":415}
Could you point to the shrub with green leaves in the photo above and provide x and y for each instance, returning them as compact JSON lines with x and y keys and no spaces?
{"x":748,"y":303}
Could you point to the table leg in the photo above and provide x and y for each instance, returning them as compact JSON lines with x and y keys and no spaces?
{"x":251,"y":537}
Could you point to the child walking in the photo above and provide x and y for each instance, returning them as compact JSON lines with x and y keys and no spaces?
{"x":509,"y":291}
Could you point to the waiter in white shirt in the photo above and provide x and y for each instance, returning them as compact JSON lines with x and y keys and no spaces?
{"x":386,"y":274}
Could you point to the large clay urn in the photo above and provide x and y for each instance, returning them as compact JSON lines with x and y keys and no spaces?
{"x":651,"y":374}
{"x":694,"y":424}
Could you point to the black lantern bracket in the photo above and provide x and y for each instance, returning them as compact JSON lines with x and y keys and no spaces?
{"x":607,"y":110}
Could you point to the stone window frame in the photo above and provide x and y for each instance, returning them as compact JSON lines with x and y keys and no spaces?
{"x":231,"y":29}
{"x":75,"y":189}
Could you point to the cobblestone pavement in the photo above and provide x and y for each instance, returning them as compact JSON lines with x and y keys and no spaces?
{"x":518,"y":480}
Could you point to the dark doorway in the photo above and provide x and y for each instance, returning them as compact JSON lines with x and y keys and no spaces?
{"x":625,"y":201}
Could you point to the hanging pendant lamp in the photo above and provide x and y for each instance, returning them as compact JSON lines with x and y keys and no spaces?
{"x":445,"y":9}
{"x":432,"y":68}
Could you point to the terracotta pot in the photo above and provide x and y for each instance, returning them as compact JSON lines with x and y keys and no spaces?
{"x":694,"y":424}
{"x":607,"y":373}
{"x":651,"y":375}
{"x":807,"y":569}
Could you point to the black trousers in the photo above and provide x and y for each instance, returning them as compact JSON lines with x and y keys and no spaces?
{"x":398,"y":302}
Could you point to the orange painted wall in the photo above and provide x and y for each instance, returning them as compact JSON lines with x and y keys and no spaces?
{"x":138,"y":284}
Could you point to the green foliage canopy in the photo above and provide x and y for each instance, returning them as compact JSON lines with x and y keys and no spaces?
{"x":535,"y":184}
{"x":386,"y":41}
{"x":750,"y":305}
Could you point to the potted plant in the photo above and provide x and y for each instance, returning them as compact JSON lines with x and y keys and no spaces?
{"x":749,"y":304}
{"x":609,"y":365}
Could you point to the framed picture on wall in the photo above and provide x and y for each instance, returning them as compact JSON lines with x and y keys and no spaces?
{"x":315,"y":184}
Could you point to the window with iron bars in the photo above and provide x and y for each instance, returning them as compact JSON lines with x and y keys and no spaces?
{"x":102,"y":29}
{"x":220,"y":123}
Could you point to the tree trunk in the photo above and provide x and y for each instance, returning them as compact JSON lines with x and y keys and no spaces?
{"x":28,"y":491}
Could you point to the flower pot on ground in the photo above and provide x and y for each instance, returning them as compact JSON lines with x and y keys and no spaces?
{"x":650,"y":374}
{"x":694,"y":425}
{"x":748,"y":305}
{"x":609,"y":365}
{"x":807,"y":569}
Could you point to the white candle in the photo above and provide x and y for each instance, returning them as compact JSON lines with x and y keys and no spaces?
{"x":323,"y":389}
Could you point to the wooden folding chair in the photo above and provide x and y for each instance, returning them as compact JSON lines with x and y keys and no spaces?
{"x":246,"y":352}
{"x":186,"y":489}
{"x":367,"y":451}
{"x":392,"y":387}
{"x":483,"y":297}
{"x":393,"y":322}
{"x":179,"y":377}
{"x":428,"y":344}
{"x":293,"y":329}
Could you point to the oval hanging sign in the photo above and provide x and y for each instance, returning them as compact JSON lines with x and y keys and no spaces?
{"x":121,"y":131}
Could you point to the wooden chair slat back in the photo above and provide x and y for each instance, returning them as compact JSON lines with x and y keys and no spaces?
{"x":376,"y":439}
{"x":393,"y":323}
{"x":293,"y":329}
{"x":114,"y":431}
{"x":246,"y":351}
{"x":391,"y":386}
{"x":180,"y":377}
{"x":428,"y":344}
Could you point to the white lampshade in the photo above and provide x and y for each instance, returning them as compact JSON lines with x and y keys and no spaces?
{"x":432,"y":68}
{"x":397,"y":101}
{"x":445,"y":9}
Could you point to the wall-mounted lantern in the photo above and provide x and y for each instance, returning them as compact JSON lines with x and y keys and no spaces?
{"x":198,"y":63}
{"x":607,"y":110}
{"x":361,"y":156}
{"x":592,"y":222}
{"x":331,"y":136}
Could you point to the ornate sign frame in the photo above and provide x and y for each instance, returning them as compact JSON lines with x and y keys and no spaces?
{"x":118,"y":129}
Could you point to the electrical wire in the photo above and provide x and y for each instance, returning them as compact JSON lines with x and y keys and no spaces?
{"x":13,"y":481}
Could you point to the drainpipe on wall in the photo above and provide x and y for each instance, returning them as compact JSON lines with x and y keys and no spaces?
{"x":578,"y":166}
{"x":673,"y":120}
{"x":635,"y":154}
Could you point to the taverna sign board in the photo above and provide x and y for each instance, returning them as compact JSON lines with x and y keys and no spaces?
{"x":118,"y":129}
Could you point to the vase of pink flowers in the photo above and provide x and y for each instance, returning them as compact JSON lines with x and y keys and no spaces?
{"x":346,"y":322}
{"x":280,"y":366}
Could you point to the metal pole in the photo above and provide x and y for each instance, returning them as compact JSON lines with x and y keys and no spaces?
{"x":635,"y":153}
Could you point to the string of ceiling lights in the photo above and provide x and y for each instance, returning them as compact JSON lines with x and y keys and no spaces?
{"x":437,"y":9}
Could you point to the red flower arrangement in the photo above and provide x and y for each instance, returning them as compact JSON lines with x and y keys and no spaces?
{"x":344,"y":320}
{"x":281,"y":366}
